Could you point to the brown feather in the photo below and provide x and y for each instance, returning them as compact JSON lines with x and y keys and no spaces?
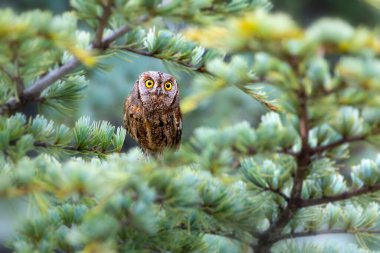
{"x":154,"y":124}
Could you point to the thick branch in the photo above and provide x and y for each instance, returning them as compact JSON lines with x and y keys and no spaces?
{"x":340,"y":197}
{"x":335,"y":144}
{"x":34,"y":91}
{"x":303,"y":158}
{"x":303,"y":161}
{"x":321,"y":232}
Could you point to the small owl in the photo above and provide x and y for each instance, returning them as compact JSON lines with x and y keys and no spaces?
{"x":152,"y":115}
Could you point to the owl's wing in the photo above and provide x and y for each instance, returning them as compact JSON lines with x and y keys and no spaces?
{"x":132,"y":116}
{"x":178,"y":125}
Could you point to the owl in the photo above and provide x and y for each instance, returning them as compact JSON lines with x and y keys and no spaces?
{"x":152,"y":115}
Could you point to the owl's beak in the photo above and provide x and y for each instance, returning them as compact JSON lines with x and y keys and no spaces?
{"x":158,"y":91}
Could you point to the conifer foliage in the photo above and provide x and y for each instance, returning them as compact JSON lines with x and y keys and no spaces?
{"x":236,"y":189}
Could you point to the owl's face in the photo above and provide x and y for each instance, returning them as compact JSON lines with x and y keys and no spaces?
{"x":158,"y":89}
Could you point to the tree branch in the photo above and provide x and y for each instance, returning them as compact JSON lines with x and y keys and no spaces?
{"x":252,"y":151}
{"x":228,"y":234}
{"x":34,"y":91}
{"x":9,"y":75}
{"x":278,"y":192}
{"x":70,"y":148}
{"x":335,"y":144}
{"x":321,"y":232}
{"x":340,"y":197}
{"x":15,"y":77}
{"x":201,"y":69}
{"x":303,"y":161}
{"x":97,"y":43}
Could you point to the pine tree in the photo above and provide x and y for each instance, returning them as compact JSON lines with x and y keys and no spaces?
{"x":243,"y":188}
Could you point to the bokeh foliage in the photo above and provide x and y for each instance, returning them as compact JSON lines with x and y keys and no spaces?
{"x":234,"y":189}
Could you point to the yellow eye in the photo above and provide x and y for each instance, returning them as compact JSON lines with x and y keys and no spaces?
{"x":149,"y":83}
{"x":168,"y":86}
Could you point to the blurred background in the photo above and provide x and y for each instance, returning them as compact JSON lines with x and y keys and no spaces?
{"x":107,"y":90}
{"x":357,"y":12}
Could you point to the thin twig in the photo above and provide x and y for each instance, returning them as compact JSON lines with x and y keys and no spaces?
{"x":321,"y":232}
{"x":252,"y":151}
{"x":278,"y":192}
{"x":16,"y":77}
{"x":121,"y":31}
{"x":340,"y":197}
{"x":335,"y":144}
{"x":69,"y":148}
{"x":97,"y":43}
{"x":228,"y":234}
{"x":201,"y":68}
{"x":48,"y":145}
{"x":6,"y":72}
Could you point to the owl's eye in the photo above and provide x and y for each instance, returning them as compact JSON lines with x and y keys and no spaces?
{"x":168,"y":86}
{"x":149,"y":83}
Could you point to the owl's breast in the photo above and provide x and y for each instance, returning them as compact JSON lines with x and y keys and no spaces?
{"x":166,"y":129}
{"x":154,"y":130}
{"x":163,"y":102}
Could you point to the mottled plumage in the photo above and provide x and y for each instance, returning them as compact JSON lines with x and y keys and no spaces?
{"x":152,"y":115}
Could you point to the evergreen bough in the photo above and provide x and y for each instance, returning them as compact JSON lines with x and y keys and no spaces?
{"x":235,"y":189}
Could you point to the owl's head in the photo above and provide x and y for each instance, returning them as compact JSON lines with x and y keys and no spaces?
{"x":159,"y":89}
